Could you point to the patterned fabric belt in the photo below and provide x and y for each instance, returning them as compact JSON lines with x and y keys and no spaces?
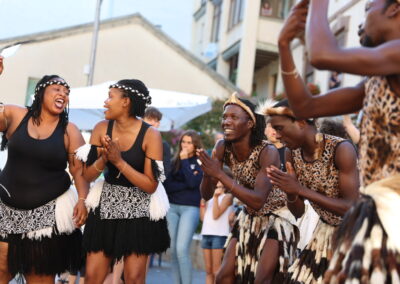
{"x":121,"y":202}
{"x":19,"y":221}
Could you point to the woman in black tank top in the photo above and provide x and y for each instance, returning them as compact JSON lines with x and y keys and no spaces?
{"x":119,"y":225}
{"x":38,"y":212}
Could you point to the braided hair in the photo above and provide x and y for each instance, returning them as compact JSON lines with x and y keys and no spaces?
{"x":137,"y":93}
{"x":36,"y":108}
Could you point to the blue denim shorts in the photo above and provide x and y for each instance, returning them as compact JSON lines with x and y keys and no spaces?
{"x":213,"y":242}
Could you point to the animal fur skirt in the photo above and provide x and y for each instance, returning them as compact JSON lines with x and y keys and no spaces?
{"x":251,"y":233}
{"x":367,"y":244}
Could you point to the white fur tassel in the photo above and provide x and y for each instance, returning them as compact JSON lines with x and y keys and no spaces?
{"x":159,"y":203}
{"x":39,"y":234}
{"x":93,"y":198}
{"x":64,"y":211}
{"x":82,"y":152}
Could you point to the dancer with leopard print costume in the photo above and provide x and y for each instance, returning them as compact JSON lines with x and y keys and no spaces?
{"x":322,"y":169}
{"x":367,"y":246}
{"x":263,"y":240}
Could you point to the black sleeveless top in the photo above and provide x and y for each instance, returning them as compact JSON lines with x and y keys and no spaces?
{"x":35,"y":170}
{"x":134,"y":157}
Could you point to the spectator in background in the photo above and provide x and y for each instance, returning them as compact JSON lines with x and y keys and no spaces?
{"x":218,"y":136}
{"x":153,"y":117}
{"x":335,"y":80}
{"x":266,"y":9}
{"x":333,"y":127}
{"x":183,"y":190}
{"x":215,"y":216}
{"x":270,"y":132}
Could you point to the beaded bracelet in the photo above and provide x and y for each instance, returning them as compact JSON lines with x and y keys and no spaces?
{"x":294,"y":73}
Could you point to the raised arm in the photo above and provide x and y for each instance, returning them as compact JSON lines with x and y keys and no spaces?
{"x":325,"y":53}
{"x":304,"y":105}
{"x":219,"y":209}
{"x":10,"y":115}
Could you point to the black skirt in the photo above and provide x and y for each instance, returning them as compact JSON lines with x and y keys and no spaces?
{"x":47,"y":256}
{"x":123,"y":237}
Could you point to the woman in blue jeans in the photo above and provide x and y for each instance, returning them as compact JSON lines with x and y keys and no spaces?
{"x":183,"y":189}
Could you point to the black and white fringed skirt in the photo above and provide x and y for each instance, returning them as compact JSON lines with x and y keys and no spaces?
{"x":251,"y":232}
{"x":313,"y":261}
{"x":43,"y":240}
{"x":119,"y":222}
{"x":367,"y":243}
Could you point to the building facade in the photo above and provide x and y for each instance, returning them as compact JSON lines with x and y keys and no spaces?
{"x":345,"y":17}
{"x":238,"y":39}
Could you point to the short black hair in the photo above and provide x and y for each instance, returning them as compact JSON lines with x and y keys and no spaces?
{"x":332,"y":127}
{"x":153,"y":113}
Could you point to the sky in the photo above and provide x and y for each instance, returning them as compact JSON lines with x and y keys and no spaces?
{"x":21,"y":17}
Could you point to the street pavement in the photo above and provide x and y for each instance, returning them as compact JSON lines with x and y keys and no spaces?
{"x":163,"y":275}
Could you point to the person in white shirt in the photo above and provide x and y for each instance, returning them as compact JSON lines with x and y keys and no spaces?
{"x":215,"y":216}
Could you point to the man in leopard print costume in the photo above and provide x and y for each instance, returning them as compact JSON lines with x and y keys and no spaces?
{"x":322,"y":169}
{"x":263,"y":240}
{"x":367,"y":246}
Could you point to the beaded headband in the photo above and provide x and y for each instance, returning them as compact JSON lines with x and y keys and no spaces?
{"x":233,"y":100}
{"x":51,"y":82}
{"x":146,"y":98}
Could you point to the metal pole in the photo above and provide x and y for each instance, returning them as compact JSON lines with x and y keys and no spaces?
{"x":94,"y":42}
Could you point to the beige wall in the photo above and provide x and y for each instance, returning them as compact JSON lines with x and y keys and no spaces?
{"x":129,"y":51}
{"x":247,"y":55}
{"x":264,"y":79}
{"x":269,"y":29}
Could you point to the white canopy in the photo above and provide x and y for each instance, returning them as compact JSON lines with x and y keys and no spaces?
{"x":86,"y":106}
